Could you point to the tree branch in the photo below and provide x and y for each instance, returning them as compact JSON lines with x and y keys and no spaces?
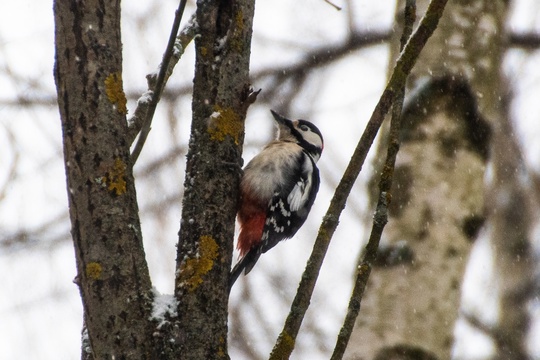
{"x":163,"y":74}
{"x":112,"y":272}
{"x":357,"y":40}
{"x":285,"y":342}
{"x":529,"y":41}
{"x":221,"y":97}
{"x":333,"y":5}
{"x":147,"y":103}
{"x":312,"y":59}
{"x":381,"y":213}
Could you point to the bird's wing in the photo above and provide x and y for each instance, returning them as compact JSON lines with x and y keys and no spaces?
{"x":290,"y":205}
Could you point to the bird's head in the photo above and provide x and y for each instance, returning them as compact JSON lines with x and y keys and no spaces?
{"x":302,"y":132}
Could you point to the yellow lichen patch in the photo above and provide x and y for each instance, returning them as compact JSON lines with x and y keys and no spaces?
{"x":223,"y":122}
{"x":193,"y":270}
{"x":115,"y":178}
{"x":237,"y":42}
{"x":221,"y":352}
{"x":239,"y":21}
{"x":284,"y":347}
{"x":115,"y":92}
{"x":93,"y":270}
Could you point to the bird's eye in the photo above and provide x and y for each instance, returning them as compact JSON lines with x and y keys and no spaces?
{"x":304,"y":127}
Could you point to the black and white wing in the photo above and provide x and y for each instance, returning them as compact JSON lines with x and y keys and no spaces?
{"x":290,"y":206}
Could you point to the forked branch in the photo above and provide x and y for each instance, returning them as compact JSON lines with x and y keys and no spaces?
{"x":146,"y":106}
{"x":286,"y":340}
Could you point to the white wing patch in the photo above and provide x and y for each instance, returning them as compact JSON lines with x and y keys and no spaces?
{"x":300,"y":193}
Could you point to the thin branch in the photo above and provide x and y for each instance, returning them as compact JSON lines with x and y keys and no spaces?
{"x":529,"y":41}
{"x":10,"y":174}
{"x":295,"y":72}
{"x":409,"y":19}
{"x":495,"y":332}
{"x":163,"y":75}
{"x":356,"y":41}
{"x":312,"y":59}
{"x":288,"y":78}
{"x":323,"y":55}
{"x":381,"y":213}
{"x":481,"y":325}
{"x":36,"y":236}
{"x":285,"y":342}
{"x":333,"y":5}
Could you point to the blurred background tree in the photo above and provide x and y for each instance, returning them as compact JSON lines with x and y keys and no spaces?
{"x":458,"y":94}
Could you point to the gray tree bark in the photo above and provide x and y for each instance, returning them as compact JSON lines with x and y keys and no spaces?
{"x":412,"y":299}
{"x":112,"y":272}
{"x":112,"y":275}
{"x":221,"y":96}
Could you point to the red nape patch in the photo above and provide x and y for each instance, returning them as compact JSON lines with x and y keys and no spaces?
{"x":251,"y":230}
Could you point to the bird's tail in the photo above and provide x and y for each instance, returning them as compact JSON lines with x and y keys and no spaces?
{"x":245,"y":264}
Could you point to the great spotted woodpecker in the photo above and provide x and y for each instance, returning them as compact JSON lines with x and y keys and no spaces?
{"x":277,"y":190}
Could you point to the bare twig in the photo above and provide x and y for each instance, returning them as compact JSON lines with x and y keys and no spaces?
{"x":360,"y":39}
{"x":333,"y":5}
{"x":11,"y":173}
{"x":312,"y":59}
{"x":528,"y":41}
{"x":481,"y":325}
{"x":381,"y":213}
{"x":285,"y":342}
{"x":160,"y":82}
{"x":410,"y":18}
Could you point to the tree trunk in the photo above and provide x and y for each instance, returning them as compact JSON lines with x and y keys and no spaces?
{"x":112,"y":273}
{"x":412,"y":299}
{"x":221,"y":96}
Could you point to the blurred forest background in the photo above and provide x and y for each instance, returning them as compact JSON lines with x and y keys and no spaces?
{"x":311,"y":61}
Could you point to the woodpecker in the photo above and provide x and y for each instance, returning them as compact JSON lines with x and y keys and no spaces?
{"x":277,"y":190}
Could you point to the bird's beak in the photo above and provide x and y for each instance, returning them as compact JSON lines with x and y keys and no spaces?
{"x":280,"y":119}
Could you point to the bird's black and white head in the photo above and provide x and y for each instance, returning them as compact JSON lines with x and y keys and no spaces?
{"x":301,"y":132}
